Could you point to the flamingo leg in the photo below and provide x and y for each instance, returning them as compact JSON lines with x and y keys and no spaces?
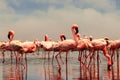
{"x":108,"y":57}
{"x":15,"y":54}
{"x":66,"y":66}
{"x":3,"y":55}
{"x":48,"y":55}
{"x":58,"y":60}
{"x":80,"y":57}
{"x":86,"y":57}
{"x":24,"y":67}
{"x":117,"y":65}
{"x":11,"y":56}
{"x":61,"y":58}
{"x":98,"y":64}
{"x":44,"y":57}
{"x":112,"y":54}
{"x":18,"y":57}
{"x":53,"y":57}
{"x":93,"y":54}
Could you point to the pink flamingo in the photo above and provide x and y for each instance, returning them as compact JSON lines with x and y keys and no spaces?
{"x":16,"y":45}
{"x":13,"y":45}
{"x":28,"y":47}
{"x":101,"y":44}
{"x":56,"y":44}
{"x":47,"y":45}
{"x":3,"y":48}
{"x":68,"y":44}
{"x":56,"y":47}
{"x":113,"y":45}
{"x":83,"y":44}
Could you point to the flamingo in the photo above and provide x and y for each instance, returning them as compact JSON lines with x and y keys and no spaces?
{"x":113,"y":45}
{"x":47,"y":45}
{"x":68,"y":44}
{"x":14,"y":45}
{"x":101,"y":44}
{"x":56,"y":47}
{"x":83,"y":44}
{"x":17,"y":45}
{"x":28,"y":47}
{"x":56,"y":44}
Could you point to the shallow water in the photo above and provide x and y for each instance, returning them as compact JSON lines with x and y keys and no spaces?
{"x":38,"y":69}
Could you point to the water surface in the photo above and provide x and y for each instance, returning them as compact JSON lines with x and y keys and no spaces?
{"x":38,"y":69}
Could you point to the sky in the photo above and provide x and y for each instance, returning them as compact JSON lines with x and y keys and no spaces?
{"x":32,"y":19}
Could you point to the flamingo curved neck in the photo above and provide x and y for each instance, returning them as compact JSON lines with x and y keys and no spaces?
{"x":11,"y":37}
{"x":75,"y":35}
{"x":62,"y":37}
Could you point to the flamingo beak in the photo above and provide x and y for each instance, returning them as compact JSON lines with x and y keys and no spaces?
{"x":8,"y":36}
{"x":64,"y":37}
{"x":76,"y":29}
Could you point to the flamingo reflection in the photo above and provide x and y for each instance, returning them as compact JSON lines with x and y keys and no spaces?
{"x":14,"y":72}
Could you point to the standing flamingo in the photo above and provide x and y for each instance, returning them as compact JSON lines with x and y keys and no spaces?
{"x":12,"y":45}
{"x":16,"y":45}
{"x":83,"y":45}
{"x":113,"y":45}
{"x":68,"y":44}
{"x":101,"y":44}
{"x":47,"y":45}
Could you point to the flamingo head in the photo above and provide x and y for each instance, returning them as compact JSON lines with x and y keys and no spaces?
{"x":91,"y":38}
{"x":46,"y":38}
{"x":10,"y":34}
{"x":85,"y":36}
{"x":75,"y":27}
{"x":62,"y":37}
{"x":106,"y":38}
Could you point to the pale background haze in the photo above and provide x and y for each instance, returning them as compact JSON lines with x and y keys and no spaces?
{"x":32,"y":19}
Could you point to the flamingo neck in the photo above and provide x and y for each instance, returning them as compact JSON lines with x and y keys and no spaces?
{"x":75,"y":36}
{"x":12,"y":37}
{"x":90,"y":38}
{"x":78,"y":36}
{"x":46,"y":38}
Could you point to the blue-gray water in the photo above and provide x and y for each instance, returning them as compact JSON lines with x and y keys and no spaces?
{"x":36,"y":69}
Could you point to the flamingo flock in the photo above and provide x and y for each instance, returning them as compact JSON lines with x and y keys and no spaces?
{"x":19,"y":48}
